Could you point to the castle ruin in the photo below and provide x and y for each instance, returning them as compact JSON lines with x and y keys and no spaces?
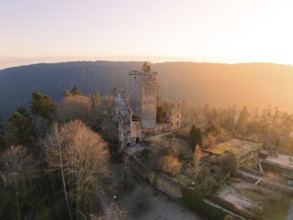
{"x":135,"y":115}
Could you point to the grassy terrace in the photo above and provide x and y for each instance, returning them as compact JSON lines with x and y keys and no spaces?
{"x":237,"y":146}
{"x":275,"y":205}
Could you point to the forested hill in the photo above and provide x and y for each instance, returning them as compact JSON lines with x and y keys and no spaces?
{"x":18,"y":83}
{"x":252,"y":84}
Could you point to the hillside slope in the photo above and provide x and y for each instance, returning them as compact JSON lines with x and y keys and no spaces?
{"x":251,"y":84}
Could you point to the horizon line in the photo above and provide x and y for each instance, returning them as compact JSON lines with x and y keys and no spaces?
{"x":18,"y":61}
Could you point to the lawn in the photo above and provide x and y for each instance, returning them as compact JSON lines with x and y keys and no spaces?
{"x":156,"y":137}
{"x":221,"y":148}
{"x":275,"y":205}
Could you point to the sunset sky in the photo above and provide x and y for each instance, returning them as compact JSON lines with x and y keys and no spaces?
{"x":191,"y":30}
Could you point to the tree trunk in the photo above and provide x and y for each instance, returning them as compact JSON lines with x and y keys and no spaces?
{"x":17,"y":200}
{"x":63,"y":181}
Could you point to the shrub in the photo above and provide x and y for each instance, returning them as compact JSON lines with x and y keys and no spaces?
{"x":228,"y":162}
{"x":211,"y":184}
{"x":170,"y":165}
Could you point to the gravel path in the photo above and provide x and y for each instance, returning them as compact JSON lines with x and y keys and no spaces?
{"x":143,"y":201}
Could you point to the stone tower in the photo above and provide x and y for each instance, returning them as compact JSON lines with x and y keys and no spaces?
{"x":143,"y":94}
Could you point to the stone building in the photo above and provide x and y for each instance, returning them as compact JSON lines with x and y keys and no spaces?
{"x":136,"y":114}
{"x":121,"y":127}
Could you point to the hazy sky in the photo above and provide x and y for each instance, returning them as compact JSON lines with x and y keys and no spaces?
{"x":155,"y":30}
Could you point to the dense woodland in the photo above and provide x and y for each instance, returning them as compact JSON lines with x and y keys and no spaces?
{"x":269,"y":125}
{"x":218,"y":85}
{"x":53,"y":165}
{"x":54,"y":162}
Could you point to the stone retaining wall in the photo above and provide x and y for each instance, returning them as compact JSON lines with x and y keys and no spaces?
{"x":270,"y":185}
{"x":256,"y":173}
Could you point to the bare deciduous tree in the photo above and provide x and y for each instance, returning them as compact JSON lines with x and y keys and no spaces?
{"x":113,"y":212}
{"x":210,"y":140}
{"x":75,"y":107}
{"x":18,"y":165}
{"x":82,"y":158}
{"x":170,"y":165}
